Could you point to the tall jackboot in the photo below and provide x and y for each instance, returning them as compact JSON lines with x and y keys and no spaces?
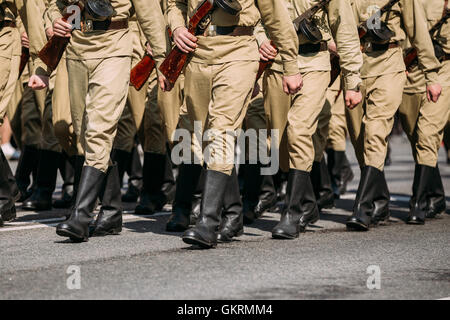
{"x":197,"y":199}
{"x":109,"y":219}
{"x":321,"y":182}
{"x":7,"y":207}
{"x":67,"y":171}
{"x":134,"y":172}
{"x":372,"y":200}
{"x":78,"y":168}
{"x":437,"y":195}
{"x":15,"y":192}
{"x":41,"y":199}
{"x":77,"y":226}
{"x":187,"y":180}
{"x":204,"y":234}
{"x":168,"y":187}
{"x":340,"y":171}
{"x":418,"y":204}
{"x":152,"y":197}
{"x":300,"y":208}
{"x":232,"y":223}
{"x":122,"y":158}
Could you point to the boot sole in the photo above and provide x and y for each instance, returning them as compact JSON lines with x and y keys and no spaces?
{"x":71,"y":235}
{"x":282,"y":236}
{"x":238,"y":234}
{"x":197,"y":242}
{"x":355,"y":226}
{"x":415,"y":222}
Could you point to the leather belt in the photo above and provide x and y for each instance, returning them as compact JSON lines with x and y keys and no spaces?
{"x":312,"y":47}
{"x":383,"y":47}
{"x":235,"y":31}
{"x":93,"y":25}
{"x":7,"y":23}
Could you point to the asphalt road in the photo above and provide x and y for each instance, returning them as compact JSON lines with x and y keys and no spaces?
{"x":326,"y":262}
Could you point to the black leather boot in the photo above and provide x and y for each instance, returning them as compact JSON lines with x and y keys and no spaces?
{"x":123,"y":159}
{"x":436,"y":196}
{"x":251,"y":191}
{"x":152,"y":197}
{"x":77,"y":226}
{"x":204,"y":234}
{"x":340,"y":171}
{"x":197,"y":199}
{"x":372,"y":200}
{"x":15,"y":192}
{"x":78,"y":167}
{"x":188,"y":178}
{"x":28,"y":162}
{"x":7,"y":207}
{"x":418,"y":204}
{"x":300,"y":208}
{"x":67,"y":172}
{"x":135,"y":182}
{"x":41,"y":199}
{"x":232,"y":223}
{"x":109,"y":219}
{"x":321,"y":182}
{"x":169,"y":186}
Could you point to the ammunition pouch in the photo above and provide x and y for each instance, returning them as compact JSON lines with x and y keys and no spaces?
{"x":99,"y":10}
{"x":380,"y":35}
{"x":310,"y":31}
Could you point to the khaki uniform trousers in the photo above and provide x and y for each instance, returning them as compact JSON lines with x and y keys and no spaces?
{"x":295,"y":117}
{"x":14,"y":112}
{"x":423,"y":123}
{"x":337,"y":132}
{"x":370,"y":123}
{"x":9,"y":72}
{"x":61,"y":116}
{"x":218,"y":96}
{"x":98,"y":92}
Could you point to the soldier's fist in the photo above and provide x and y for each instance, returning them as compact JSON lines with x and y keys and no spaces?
{"x":38,"y":82}
{"x":61,"y":28}
{"x":292,"y":84}
{"x":352,"y":98}
{"x":164,"y":83}
{"x":184,"y":40}
{"x":434,"y":92}
{"x":24,"y":40}
{"x":267,"y":51}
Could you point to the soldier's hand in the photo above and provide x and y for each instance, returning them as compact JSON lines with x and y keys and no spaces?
{"x":148,"y":49}
{"x":352,"y":98}
{"x":184,"y":40}
{"x":62,"y":28}
{"x":38,"y":82}
{"x":24,"y":40}
{"x":164,"y":83}
{"x":292,"y":84}
{"x":332,"y":48}
{"x":49,"y":32}
{"x":267,"y":51}
{"x":434,"y":92}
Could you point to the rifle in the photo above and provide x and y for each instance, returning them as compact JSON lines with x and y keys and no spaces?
{"x":52,"y":52}
{"x":411,"y":58}
{"x":363,"y":29}
{"x":141,"y":72}
{"x":302,"y":24}
{"x":174,"y":63}
{"x":24,"y":58}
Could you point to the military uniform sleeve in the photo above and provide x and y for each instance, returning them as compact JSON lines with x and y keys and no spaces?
{"x":31,"y":14}
{"x":53,"y":10}
{"x":416,"y":28}
{"x":345,"y":33}
{"x":151,"y":21}
{"x":176,"y":13}
{"x":48,"y":23}
{"x":260,"y":34}
{"x":278,"y":24}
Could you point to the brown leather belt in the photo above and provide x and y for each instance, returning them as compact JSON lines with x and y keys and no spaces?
{"x":234,"y":31}
{"x":7,"y":23}
{"x":308,"y":48}
{"x":383,"y":47}
{"x":92,"y":25}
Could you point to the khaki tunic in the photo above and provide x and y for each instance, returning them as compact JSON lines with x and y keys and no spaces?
{"x":303,"y":116}
{"x":424,"y":121}
{"x":383,"y":74}
{"x":220,"y":76}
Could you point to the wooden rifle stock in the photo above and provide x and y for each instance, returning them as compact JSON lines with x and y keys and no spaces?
{"x":141,"y":72}
{"x":335,"y":69}
{"x":174,"y":63}
{"x":24,"y":58}
{"x":53,"y":50}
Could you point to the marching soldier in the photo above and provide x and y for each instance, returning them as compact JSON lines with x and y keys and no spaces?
{"x":424,"y":121}
{"x":98,"y":64}
{"x":296,"y":117}
{"x":383,"y":74}
{"x":218,"y":87}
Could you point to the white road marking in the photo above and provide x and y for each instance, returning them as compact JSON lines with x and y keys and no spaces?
{"x":448,"y":298}
{"x":39,"y":224}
